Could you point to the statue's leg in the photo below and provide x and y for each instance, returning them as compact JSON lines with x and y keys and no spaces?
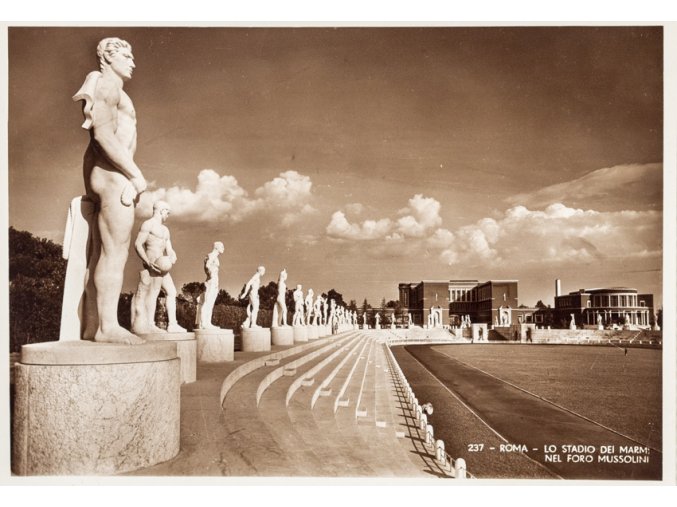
{"x":255,"y":313}
{"x":170,"y":290}
{"x":275,"y":322}
{"x":115,"y":223}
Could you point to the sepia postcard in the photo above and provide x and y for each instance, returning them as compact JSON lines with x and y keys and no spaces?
{"x":423,"y":254}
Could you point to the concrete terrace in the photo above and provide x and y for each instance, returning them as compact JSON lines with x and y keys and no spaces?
{"x":334,"y":407}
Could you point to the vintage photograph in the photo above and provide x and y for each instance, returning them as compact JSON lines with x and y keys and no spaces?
{"x":430,"y":253}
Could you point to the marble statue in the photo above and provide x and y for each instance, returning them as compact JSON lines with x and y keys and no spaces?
{"x":572,"y":324}
{"x":113,"y":182}
{"x":252,"y":289}
{"x":364,"y":319}
{"x":309,"y":307}
{"x":298,"y":319}
{"x":154,"y":247}
{"x":325,"y":310}
{"x":205,"y":306}
{"x":317,"y":311}
{"x":280,"y":307}
{"x":410,"y":321}
{"x":600,"y":323}
{"x":378,"y":320}
{"x":332,"y":315}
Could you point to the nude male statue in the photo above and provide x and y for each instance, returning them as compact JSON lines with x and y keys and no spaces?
{"x":280,"y":307}
{"x":317,"y":311}
{"x":309,"y":307}
{"x":298,"y":306}
{"x":113,"y":182}
{"x":208,"y":298}
{"x":153,"y":246}
{"x":252,"y":288}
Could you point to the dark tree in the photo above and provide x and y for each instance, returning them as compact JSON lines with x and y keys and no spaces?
{"x":223,"y":298}
{"x":36,"y":276}
{"x":191,"y":291}
{"x":336,"y":296}
{"x":268,"y":295}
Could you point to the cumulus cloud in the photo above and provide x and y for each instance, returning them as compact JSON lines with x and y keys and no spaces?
{"x":219,"y":198}
{"x":607,"y":188}
{"x":555,"y":234}
{"x":340,"y":228}
{"x":418,"y":220}
{"x":420,"y":217}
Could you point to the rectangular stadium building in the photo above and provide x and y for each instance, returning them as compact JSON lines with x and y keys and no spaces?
{"x":494,"y":302}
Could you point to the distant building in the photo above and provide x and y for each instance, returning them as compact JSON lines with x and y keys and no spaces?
{"x":495,"y":301}
{"x":615,"y":305}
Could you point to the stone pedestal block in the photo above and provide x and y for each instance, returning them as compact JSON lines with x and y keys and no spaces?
{"x":282,"y":335}
{"x":186,"y":349}
{"x":255,"y":339}
{"x":300,"y":334}
{"x":85,"y":408}
{"x":215,"y":345}
{"x":312,"y":333}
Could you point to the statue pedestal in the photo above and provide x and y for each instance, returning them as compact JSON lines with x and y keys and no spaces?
{"x":312,"y":333}
{"x":86,"y":408}
{"x":215,"y":345}
{"x":186,"y":349}
{"x":300,"y":334}
{"x":255,"y":339}
{"x":282,"y":335}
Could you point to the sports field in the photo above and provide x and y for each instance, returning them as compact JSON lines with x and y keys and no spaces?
{"x":500,"y":405}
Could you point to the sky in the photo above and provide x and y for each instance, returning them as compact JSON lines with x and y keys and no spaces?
{"x":358,"y":158}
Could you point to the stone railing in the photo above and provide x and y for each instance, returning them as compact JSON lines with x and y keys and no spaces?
{"x":455,"y":467}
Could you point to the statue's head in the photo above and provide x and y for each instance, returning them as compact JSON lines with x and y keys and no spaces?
{"x":162,"y":209}
{"x":218,"y":246}
{"x":310,"y":292}
{"x":283,"y":274}
{"x":299,"y":287}
{"x":261,"y":270}
{"x":117,"y":54}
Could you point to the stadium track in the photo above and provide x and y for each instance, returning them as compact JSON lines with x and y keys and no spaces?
{"x":513,"y":416}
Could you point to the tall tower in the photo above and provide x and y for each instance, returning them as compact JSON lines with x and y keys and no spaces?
{"x":558,"y":288}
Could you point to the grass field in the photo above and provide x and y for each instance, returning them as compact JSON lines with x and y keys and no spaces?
{"x":621,"y":391}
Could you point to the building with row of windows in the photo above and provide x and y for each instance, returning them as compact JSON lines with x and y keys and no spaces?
{"x":611,"y":306}
{"x":496,"y":302}
{"x":492,"y":302}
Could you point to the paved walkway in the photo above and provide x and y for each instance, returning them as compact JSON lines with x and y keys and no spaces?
{"x":334,"y":409}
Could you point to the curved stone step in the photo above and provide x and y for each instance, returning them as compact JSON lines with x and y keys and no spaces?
{"x":325,"y":389}
{"x":309,"y":378}
{"x":342,"y":399}
{"x":309,"y":452}
{"x":289,"y":368}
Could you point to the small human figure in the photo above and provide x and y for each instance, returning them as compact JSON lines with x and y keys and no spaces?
{"x":317,"y":311}
{"x":208,"y":298}
{"x":309,"y":307}
{"x":252,"y":289}
{"x":280,"y":307}
{"x":154,"y":247}
{"x":298,"y":319}
{"x":325,"y":310}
